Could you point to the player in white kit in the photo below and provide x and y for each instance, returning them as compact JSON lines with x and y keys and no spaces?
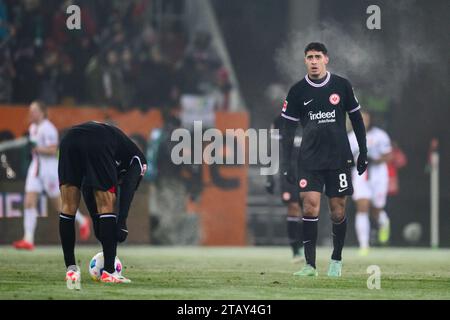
{"x":371,"y":188}
{"x":43,"y":175}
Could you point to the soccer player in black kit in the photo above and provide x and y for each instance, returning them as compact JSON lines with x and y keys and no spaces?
{"x":93,"y":157}
{"x":320,"y":103}
{"x":290,"y":197}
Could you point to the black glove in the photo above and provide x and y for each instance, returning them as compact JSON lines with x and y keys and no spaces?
{"x":122,"y":230}
{"x":270,"y":184}
{"x":289,"y":174}
{"x":363,"y":162}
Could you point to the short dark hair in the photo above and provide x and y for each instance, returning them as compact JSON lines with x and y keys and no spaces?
{"x":316,"y":46}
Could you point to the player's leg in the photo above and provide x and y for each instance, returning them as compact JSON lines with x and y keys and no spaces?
{"x":30,"y":216}
{"x":51,"y":183}
{"x":70,"y":201}
{"x":101,"y":175}
{"x":362,"y":225}
{"x":380,"y":216}
{"x":311,"y":186}
{"x":361,"y":196}
{"x":83,"y":222}
{"x":105,"y":201}
{"x":70,"y":175}
{"x":339,"y":230}
{"x":311,"y":208}
{"x":338,"y":187}
{"x":84,"y":225}
{"x":91,"y":205}
{"x":379,"y":186}
{"x":294,"y":226}
{"x":294,"y":230}
{"x":33,"y":188}
{"x":383,"y":227}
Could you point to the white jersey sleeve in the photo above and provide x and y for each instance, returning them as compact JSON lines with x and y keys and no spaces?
{"x":384,"y":143}
{"x":48,"y":135}
{"x":378,"y":143}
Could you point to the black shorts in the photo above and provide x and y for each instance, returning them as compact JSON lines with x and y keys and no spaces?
{"x":337,"y":183}
{"x":87,"y":160}
{"x":289,"y":192}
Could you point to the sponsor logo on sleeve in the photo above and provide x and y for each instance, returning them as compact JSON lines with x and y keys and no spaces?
{"x":285,"y":104}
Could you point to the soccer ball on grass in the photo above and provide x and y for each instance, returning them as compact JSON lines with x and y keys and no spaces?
{"x":97,"y":264}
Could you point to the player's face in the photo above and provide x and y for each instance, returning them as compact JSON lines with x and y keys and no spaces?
{"x":35,"y":114}
{"x":316,"y":64}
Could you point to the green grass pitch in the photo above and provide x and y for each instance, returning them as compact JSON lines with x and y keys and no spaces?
{"x":257,"y":273}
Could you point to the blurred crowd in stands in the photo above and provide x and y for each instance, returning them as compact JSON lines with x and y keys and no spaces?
{"x":122,"y":57}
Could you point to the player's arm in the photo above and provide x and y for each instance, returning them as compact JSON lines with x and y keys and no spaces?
{"x":384,"y":158}
{"x":290,"y":118}
{"x":353,"y":108}
{"x":47,"y":150}
{"x":50,"y":147}
{"x":385,"y":148}
{"x":91,"y":205}
{"x":270,"y":181}
{"x":130,"y":181}
{"x":360,"y":130}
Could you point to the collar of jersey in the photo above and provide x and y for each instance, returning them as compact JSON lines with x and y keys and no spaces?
{"x":318,"y":85}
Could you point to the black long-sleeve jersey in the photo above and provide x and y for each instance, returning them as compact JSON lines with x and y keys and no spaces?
{"x":321,"y":109}
{"x":119,"y":146}
{"x":277,"y":124}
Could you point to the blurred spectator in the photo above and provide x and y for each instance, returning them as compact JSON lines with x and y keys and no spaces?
{"x":154,"y":81}
{"x":197,"y":74}
{"x":48,"y":78}
{"x":397,"y":161}
{"x":170,"y":224}
{"x":202,"y":50}
{"x":113,"y":82}
{"x":224,"y":88}
{"x":63,"y":36}
{"x":69,"y":83}
{"x":122,"y":56}
{"x":24,"y":58}
{"x":4,"y":28}
{"x":172,"y":43}
{"x":130,"y":71}
{"x":94,"y":84}
{"x":7,"y":74}
{"x":202,"y":72}
{"x":31,"y":22}
{"x":138,"y":13}
{"x":9,"y":159}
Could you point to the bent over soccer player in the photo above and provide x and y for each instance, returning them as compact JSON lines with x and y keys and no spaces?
{"x":320,"y":102}
{"x":91,"y":154}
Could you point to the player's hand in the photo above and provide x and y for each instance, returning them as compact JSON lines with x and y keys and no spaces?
{"x":270,"y":184}
{"x":362,"y":163}
{"x":122,"y":230}
{"x":289,"y":175}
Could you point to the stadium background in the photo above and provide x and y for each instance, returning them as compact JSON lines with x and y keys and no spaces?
{"x":400,"y":72}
